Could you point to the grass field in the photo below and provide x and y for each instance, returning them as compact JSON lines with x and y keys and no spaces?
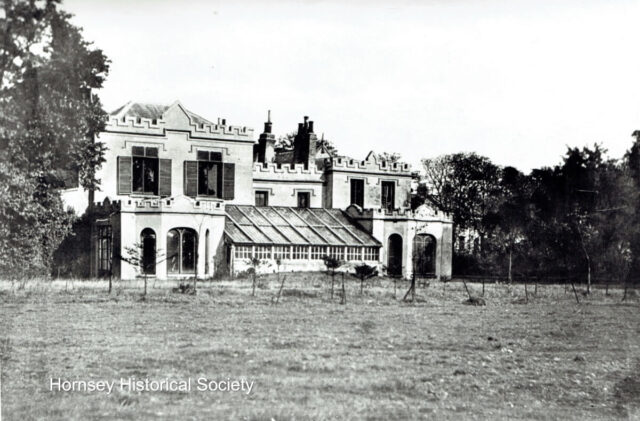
{"x":312,"y":358}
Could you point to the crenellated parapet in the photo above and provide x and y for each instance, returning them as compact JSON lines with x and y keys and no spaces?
{"x":422,"y":213}
{"x":158,"y":126}
{"x":157,"y":119}
{"x":220,"y":130}
{"x":180,"y":204}
{"x":106,"y":207}
{"x":297,"y":169}
{"x":369,"y":164}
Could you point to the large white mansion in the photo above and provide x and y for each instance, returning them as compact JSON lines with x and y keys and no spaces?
{"x":201,"y":198}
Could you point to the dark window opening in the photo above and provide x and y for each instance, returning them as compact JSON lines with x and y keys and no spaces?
{"x":357,"y":192}
{"x":104,"y":250}
{"x":394,"y":255}
{"x":424,"y":255}
{"x":148,"y":261}
{"x":262,"y":198}
{"x":210,"y":174}
{"x":304,"y":199}
{"x":388,"y":195}
{"x":145,"y":170}
{"x":182,"y":244}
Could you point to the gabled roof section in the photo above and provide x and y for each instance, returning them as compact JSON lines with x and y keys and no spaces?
{"x":281,"y":225}
{"x":154,"y":111}
{"x":139,"y":109}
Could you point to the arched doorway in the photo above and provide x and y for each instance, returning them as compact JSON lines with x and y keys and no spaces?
{"x":148,"y":245}
{"x":424,"y":255}
{"x":182,"y":249}
{"x":394,"y":255}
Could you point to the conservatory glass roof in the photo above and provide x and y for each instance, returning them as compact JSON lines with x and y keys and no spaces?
{"x":281,"y":225}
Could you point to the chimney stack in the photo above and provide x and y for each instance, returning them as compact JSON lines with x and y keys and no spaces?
{"x":264,"y":151}
{"x":304,"y":144}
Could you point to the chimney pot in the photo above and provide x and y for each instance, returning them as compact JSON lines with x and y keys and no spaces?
{"x":311,"y":127}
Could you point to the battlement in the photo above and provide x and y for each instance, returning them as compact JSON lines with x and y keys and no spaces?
{"x":273,"y":168}
{"x":423,"y":212}
{"x":158,"y":126}
{"x":179,"y":204}
{"x":369,"y":164}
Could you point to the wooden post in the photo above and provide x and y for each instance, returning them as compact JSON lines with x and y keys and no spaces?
{"x":575,"y":293}
{"x":280,"y":290}
{"x":465,"y":287}
{"x":333,"y":275}
{"x":483,"y":286}
{"x":344,"y":293}
{"x":526,"y":293}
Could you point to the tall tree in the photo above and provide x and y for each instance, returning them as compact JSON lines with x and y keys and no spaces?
{"x":465,"y":185}
{"x":49,"y":116}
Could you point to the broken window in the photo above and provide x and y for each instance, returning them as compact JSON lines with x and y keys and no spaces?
{"x":210,"y":174}
{"x":388,"y":195}
{"x":357,"y":192}
{"x":145,"y":170}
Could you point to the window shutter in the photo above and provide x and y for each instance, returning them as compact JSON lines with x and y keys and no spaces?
{"x":228,"y":181}
{"x":165,"y":177}
{"x":191,"y":178}
{"x":124,"y":174}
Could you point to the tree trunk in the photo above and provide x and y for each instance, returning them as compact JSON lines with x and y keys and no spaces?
{"x":361,"y":285}
{"x":145,"y":284}
{"x":526,"y":292}
{"x":510,"y":265}
{"x":588,"y":275}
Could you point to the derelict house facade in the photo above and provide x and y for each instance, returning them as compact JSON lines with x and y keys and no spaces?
{"x":190,"y":197}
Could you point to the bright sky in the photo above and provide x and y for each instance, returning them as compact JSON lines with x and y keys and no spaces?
{"x":514,"y":80}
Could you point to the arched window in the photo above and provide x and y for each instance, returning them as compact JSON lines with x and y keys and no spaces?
{"x":424,"y":255}
{"x":148,"y":243}
{"x":206,"y":253}
{"x":182,"y":249}
{"x":394,"y":253}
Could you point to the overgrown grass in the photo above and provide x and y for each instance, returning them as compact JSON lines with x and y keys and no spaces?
{"x":312,"y":358}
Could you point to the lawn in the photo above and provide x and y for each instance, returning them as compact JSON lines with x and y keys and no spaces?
{"x":311,"y":358}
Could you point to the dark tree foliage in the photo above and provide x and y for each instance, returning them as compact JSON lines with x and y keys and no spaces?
{"x":577,"y":219}
{"x":49,"y":116}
